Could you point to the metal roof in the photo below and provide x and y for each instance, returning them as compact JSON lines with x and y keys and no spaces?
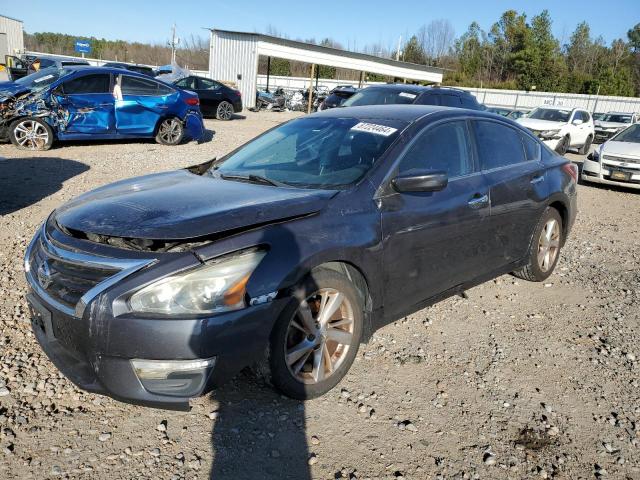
{"x":329,"y":56}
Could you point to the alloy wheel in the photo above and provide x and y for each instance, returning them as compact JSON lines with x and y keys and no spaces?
{"x":170,"y":130}
{"x":319,"y":336}
{"x":225,"y":111}
{"x":31,"y":135}
{"x":548,"y":245}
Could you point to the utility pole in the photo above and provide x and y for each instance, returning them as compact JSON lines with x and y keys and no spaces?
{"x":173,"y":44}
{"x":398,"y":51}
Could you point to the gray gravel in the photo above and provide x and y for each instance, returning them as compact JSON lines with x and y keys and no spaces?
{"x":518,"y":380}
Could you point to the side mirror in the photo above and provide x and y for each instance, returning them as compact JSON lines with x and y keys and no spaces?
{"x":420,"y":182}
{"x":577,"y":121}
{"x":590,"y":156}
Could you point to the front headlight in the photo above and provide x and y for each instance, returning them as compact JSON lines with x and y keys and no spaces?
{"x":549,"y":133}
{"x":215,"y":287}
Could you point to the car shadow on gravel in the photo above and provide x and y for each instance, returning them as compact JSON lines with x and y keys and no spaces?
{"x":25,"y":181}
{"x":258,"y":433}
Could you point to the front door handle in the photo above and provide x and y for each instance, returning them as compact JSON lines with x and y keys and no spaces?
{"x":479,"y":201}
{"x":537,"y":179}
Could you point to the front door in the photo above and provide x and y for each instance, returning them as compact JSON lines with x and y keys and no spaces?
{"x":142,"y":104}
{"x":85,"y":105}
{"x":434,"y":241}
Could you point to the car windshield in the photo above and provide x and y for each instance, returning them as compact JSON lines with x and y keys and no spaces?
{"x":550,"y":114}
{"x":616,"y":118}
{"x":380,"y":96}
{"x":329,"y":153}
{"x":630,"y":134}
{"x":42,"y":78}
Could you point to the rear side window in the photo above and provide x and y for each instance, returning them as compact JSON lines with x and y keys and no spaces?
{"x":188,"y":82}
{"x":443,"y":148}
{"x":469,"y":101}
{"x":531,"y":147}
{"x":96,"y":83}
{"x":142,"y":86}
{"x":450,"y":101}
{"x":498,"y":145}
{"x":206,"y":84}
{"x":45,"y":62}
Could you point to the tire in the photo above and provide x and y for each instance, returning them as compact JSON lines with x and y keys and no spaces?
{"x":584,"y":150}
{"x":170,"y":131}
{"x":563,"y":146}
{"x":31,"y":134}
{"x":224,"y":111}
{"x":319,"y":362}
{"x":537,"y":270}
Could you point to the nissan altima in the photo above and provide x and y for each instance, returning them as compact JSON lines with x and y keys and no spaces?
{"x":291,"y":250}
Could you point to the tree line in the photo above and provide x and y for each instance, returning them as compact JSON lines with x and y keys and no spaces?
{"x":514,"y":53}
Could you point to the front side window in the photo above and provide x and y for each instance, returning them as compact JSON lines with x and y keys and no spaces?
{"x":551,"y":114}
{"x":314,"y":152}
{"x":443,"y":148}
{"x":95,"y":83}
{"x":498,"y":145}
{"x":380,"y":96}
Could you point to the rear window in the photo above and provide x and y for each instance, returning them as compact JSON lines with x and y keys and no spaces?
{"x":95,"y":83}
{"x":380,"y":96}
{"x":498,"y":145}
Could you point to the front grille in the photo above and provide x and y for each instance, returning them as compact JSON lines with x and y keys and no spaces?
{"x":64,"y":281}
{"x":621,"y":159}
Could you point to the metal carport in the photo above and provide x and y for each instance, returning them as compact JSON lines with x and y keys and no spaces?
{"x":233,"y":57}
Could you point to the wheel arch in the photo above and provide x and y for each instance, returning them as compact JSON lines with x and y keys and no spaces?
{"x":563,"y":210}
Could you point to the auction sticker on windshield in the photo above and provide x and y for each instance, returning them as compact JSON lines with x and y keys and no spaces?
{"x":374,"y":128}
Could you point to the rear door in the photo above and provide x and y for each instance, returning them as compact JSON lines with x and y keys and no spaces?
{"x":510,"y":162}
{"x":87,"y":103}
{"x":144,"y":102}
{"x":212,"y":93}
{"x":434,"y":240}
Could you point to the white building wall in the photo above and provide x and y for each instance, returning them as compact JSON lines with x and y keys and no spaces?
{"x":15,"y":36}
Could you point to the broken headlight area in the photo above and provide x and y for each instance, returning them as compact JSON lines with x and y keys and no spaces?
{"x":215,"y":287}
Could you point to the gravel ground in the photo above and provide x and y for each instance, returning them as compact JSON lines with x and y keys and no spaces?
{"x":518,"y":380}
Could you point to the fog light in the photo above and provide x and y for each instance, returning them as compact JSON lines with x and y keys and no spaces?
{"x":181,"y":378}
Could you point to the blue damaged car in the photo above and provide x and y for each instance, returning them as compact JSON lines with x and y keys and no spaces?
{"x":90,"y":103}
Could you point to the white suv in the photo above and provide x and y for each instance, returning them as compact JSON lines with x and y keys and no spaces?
{"x":561,"y":128}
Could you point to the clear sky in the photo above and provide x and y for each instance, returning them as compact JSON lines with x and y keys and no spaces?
{"x":353,"y":23}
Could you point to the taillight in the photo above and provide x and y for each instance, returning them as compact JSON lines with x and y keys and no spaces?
{"x":193,"y":101}
{"x":572,"y":170}
{"x":239,"y":93}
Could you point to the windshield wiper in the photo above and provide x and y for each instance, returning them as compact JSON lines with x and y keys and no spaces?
{"x":251,"y":178}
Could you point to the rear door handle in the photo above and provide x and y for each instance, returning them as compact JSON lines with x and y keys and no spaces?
{"x":479,"y":201}
{"x":537,"y":179}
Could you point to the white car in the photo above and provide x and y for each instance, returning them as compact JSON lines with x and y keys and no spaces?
{"x":612,"y":123}
{"x":561,"y":128}
{"x":617,"y":161}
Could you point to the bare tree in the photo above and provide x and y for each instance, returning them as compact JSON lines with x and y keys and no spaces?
{"x":436,"y":38}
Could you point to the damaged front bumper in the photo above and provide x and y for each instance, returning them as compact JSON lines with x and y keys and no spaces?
{"x":157,"y":362}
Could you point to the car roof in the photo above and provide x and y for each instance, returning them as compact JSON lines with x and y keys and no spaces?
{"x":405,"y":113}
{"x":89,"y":68}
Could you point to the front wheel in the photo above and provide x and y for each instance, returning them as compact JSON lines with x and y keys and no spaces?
{"x":545,"y":248}
{"x":587,"y":145}
{"x":170,"y":132}
{"x":316,"y":339}
{"x":31,"y":134}
{"x":563,"y":146}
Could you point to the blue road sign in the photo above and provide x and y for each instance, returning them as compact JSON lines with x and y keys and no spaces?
{"x":83,"y":46}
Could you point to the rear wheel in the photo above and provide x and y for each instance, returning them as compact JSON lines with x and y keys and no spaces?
{"x":224,"y":111}
{"x":316,"y":339}
{"x":170,"y":132}
{"x":587,"y":145}
{"x":545,"y":248}
{"x":31,"y":134}
{"x":563,"y":145}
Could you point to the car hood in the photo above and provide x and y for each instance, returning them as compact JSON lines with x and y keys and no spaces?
{"x":625,"y":149}
{"x":9,"y":89}
{"x":535,"y":124}
{"x":601,"y":124}
{"x":181,"y":205}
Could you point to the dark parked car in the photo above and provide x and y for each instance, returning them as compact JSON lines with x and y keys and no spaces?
{"x":216,"y":99}
{"x":511,"y":113}
{"x":400,"y":93}
{"x":144,"y":69}
{"x":337,"y":97}
{"x":95,"y":103}
{"x":297,"y":245}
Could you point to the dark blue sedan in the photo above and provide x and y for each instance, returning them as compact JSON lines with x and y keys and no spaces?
{"x":89,"y":103}
{"x":292,"y":249}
